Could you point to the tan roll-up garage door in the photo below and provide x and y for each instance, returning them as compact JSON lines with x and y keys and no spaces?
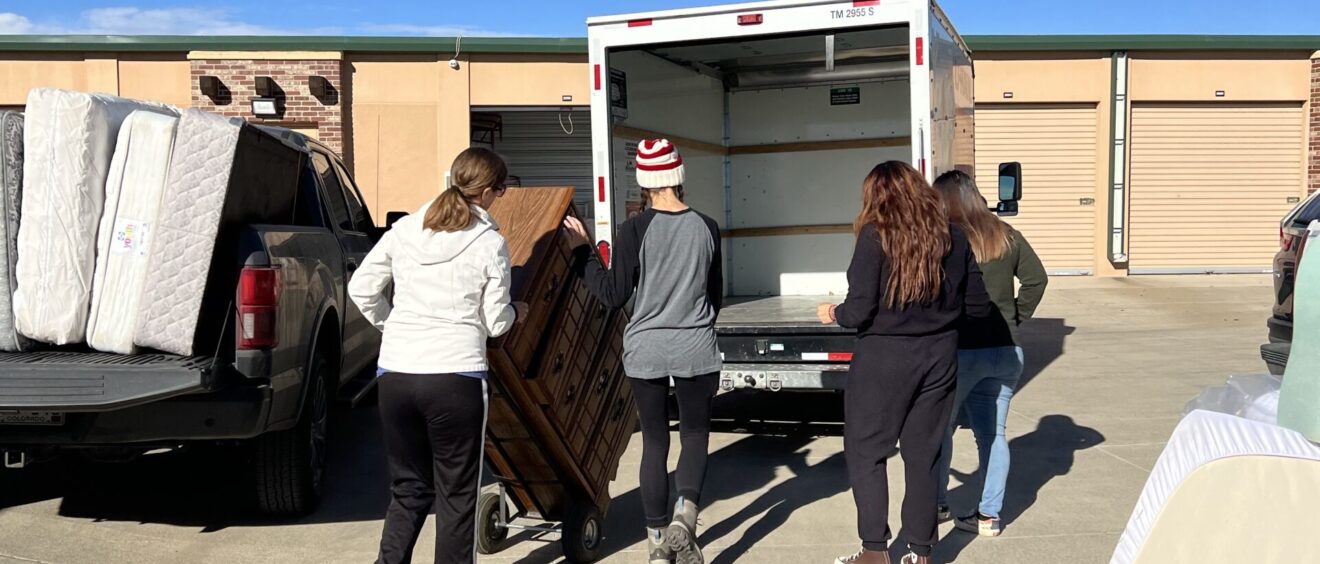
{"x":1057,"y":147}
{"x":1210,"y":183}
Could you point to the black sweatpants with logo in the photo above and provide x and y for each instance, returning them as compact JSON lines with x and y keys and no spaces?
{"x":899,"y":392}
{"x":434,"y":427}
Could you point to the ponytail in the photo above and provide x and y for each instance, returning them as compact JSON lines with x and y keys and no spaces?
{"x":449,"y":212}
{"x":474,"y":171}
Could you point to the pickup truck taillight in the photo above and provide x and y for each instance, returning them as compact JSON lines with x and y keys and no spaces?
{"x":258,"y":307}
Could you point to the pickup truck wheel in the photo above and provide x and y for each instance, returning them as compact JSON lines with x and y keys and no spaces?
{"x":290,"y":465}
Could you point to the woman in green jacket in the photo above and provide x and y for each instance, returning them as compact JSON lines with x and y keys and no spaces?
{"x":990,"y":358}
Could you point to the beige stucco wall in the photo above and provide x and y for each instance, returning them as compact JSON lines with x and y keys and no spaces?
{"x":516,"y":80}
{"x":1051,"y":78}
{"x":1187,"y":77}
{"x":162,"y":78}
{"x":410,"y":119}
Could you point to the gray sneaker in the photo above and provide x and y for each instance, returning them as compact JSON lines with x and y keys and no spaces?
{"x":657,"y":548}
{"x":681,"y":535}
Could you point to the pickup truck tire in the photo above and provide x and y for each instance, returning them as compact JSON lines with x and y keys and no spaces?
{"x":290,"y":465}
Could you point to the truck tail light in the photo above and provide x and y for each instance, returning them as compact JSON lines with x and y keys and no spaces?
{"x":259,"y":290}
{"x":1285,"y":242}
{"x":751,"y":19}
{"x":604,"y":248}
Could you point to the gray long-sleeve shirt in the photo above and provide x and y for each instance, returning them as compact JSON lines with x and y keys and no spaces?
{"x":671,"y":262}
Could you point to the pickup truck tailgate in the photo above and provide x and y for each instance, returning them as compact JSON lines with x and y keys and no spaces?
{"x":91,"y":382}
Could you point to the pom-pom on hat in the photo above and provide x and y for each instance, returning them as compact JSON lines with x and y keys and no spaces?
{"x":658,"y":164}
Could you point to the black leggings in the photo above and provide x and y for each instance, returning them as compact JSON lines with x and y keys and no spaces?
{"x":433,"y":426}
{"x":694,"y":398}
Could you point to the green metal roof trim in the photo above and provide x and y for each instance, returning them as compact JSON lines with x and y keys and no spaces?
{"x":578,"y":45}
{"x":177,"y":43}
{"x":1142,"y":42}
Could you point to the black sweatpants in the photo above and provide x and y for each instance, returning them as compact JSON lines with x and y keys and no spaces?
{"x":694,"y":398}
{"x":434,"y":426}
{"x":899,"y":391}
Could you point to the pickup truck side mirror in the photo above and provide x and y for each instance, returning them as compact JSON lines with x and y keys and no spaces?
{"x":1010,"y":189}
{"x":393,"y":217}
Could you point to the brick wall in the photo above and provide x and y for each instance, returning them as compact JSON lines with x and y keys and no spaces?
{"x":327,"y":114}
{"x":1314,"y":182}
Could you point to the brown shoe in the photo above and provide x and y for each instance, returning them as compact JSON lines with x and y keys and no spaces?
{"x":865,"y":556}
{"x":913,"y":558}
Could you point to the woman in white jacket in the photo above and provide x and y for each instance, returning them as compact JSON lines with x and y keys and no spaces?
{"x":450,"y":269}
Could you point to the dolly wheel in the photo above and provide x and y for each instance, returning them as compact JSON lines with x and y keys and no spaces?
{"x":490,"y":535}
{"x":583,"y":532}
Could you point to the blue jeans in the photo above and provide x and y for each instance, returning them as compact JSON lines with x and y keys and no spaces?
{"x":987,"y":379}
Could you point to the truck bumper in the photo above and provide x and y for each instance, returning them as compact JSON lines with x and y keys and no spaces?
{"x":778,"y":377}
{"x":237,"y":412}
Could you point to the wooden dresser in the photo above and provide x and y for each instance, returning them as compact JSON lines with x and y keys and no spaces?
{"x":561,"y":413}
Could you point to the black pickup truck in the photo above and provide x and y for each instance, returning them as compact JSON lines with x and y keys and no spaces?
{"x":292,"y":343}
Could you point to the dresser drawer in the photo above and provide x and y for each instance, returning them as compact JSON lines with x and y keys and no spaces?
{"x":542,"y":297}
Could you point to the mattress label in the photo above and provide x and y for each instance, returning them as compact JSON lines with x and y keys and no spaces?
{"x":130,"y":237}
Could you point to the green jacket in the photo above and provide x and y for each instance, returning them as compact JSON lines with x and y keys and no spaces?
{"x":1020,"y":263}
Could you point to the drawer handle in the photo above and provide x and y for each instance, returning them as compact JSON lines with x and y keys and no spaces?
{"x":602,"y":382}
{"x":550,"y":292}
{"x":558,"y":364}
{"x":568,"y":396}
{"x":618,"y":411}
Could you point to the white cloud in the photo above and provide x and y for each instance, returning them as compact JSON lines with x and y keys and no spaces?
{"x":129,"y":20}
{"x":11,"y":23}
{"x":169,"y":21}
{"x":432,"y":30}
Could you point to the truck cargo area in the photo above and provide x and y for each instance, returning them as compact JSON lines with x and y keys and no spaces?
{"x":777,"y":133}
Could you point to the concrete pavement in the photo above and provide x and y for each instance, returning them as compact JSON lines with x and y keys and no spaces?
{"x":1110,"y":365}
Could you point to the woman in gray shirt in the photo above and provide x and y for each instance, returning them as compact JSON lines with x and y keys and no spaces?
{"x":667,"y":259}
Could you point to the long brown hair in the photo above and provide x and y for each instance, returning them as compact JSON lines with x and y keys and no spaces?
{"x":913,"y":229}
{"x":989,"y":236}
{"x":474,"y":171}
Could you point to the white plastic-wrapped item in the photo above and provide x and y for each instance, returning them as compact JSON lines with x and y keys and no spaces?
{"x":1250,"y":396}
{"x":132,"y":201}
{"x":69,"y":140}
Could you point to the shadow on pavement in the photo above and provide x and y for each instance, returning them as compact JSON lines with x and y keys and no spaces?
{"x":771,"y":445}
{"x":1037,"y":457}
{"x":206,"y":487}
{"x":1043,"y":339}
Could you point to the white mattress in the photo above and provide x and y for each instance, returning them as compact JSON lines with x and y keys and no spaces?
{"x":223,"y":176}
{"x":69,"y":139}
{"x":132,"y":200}
{"x":1201,"y":438}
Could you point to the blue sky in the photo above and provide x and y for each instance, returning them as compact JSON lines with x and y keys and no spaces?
{"x":565,"y":18}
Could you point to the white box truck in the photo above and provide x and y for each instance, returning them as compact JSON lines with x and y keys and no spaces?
{"x":780,"y":110}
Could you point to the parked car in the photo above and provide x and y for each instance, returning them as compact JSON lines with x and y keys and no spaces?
{"x":1292,"y":243}
{"x":269,"y":389}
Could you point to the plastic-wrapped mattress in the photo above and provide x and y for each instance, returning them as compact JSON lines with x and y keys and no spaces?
{"x":132,"y":200}
{"x":69,"y":139}
{"x":1272,"y":481}
{"x":11,"y":195}
{"x":224,"y":175}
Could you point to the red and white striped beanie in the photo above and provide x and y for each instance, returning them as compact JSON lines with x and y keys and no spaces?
{"x":658,"y":164}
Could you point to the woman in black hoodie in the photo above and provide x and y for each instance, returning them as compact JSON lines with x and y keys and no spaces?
{"x":912,"y":280}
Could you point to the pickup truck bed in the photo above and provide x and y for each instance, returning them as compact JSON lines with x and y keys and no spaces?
{"x":87,"y":381}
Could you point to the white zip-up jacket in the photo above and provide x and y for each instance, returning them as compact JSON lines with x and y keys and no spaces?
{"x":451,"y":293}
